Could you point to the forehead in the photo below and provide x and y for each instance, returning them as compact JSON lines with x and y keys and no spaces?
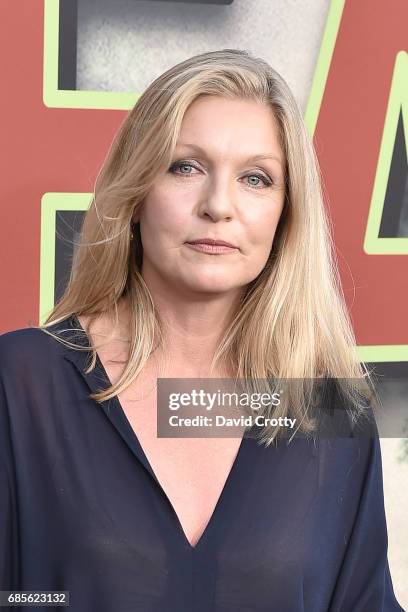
{"x":233,"y":126}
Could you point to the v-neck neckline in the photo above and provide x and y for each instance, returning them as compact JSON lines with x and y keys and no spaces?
{"x":122,"y":424}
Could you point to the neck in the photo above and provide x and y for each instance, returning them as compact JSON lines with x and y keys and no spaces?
{"x":193,"y":324}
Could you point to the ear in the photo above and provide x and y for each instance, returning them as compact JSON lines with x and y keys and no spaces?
{"x":136,"y":213}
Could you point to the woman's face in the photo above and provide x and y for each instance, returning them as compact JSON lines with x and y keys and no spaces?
{"x":226,"y":182}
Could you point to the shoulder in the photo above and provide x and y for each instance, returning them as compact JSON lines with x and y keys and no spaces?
{"x":18,"y":338}
{"x":30,"y":346}
{"x":351,"y":463}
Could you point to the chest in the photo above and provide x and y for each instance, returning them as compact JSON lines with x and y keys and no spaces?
{"x":191,"y":471}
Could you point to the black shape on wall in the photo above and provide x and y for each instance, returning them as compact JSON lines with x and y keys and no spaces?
{"x":68,"y":38}
{"x":389,"y":369}
{"x":67,"y":44}
{"x":68,"y":225}
{"x":396,"y":187}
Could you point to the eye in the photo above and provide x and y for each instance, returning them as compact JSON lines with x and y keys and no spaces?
{"x":184,"y":168}
{"x":182,"y":165}
{"x":259,"y":177}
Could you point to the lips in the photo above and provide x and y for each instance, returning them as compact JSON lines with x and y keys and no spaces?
{"x":212,"y":242}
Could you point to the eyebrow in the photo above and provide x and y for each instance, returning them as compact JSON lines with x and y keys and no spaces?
{"x":249,"y":159}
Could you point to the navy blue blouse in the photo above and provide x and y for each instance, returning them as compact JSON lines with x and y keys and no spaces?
{"x":297,"y":528}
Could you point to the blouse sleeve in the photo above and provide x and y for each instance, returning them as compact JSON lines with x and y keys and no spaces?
{"x":364,"y":582}
{"x":8,"y":504}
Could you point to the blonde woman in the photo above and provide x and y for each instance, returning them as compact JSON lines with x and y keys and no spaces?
{"x":205,"y":253}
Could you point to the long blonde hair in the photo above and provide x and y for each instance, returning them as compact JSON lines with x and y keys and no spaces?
{"x":292,"y":322}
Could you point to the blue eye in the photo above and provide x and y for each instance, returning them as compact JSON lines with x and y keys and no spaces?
{"x":266,"y":181}
{"x":181,"y":164}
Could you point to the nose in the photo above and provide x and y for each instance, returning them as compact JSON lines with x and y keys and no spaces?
{"x":217,"y":200}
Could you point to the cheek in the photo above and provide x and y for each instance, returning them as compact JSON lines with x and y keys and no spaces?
{"x":163,"y":215}
{"x":261,"y":227}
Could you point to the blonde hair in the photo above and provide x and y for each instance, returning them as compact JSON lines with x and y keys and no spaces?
{"x":292,"y":322}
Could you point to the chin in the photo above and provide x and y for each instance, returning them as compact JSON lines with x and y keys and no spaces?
{"x":211,"y":285}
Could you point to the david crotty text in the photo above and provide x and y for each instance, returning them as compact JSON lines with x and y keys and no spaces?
{"x":219,"y":420}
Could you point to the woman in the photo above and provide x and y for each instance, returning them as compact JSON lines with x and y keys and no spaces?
{"x":96,"y":503}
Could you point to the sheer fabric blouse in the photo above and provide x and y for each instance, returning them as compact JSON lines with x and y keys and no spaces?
{"x":297,"y":528}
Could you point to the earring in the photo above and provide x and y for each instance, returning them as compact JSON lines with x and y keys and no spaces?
{"x":131,"y":233}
